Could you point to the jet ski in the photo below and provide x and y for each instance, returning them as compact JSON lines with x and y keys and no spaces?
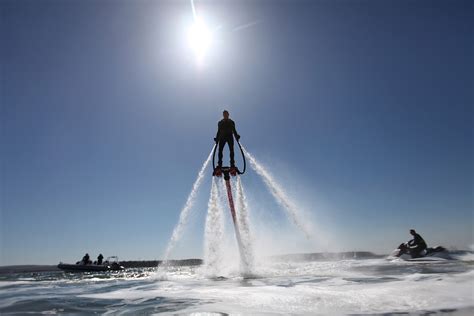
{"x":111,"y":264}
{"x":437,"y":253}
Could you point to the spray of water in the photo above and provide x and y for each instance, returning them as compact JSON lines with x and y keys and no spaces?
{"x":243,"y":220}
{"x":214,"y":248}
{"x":184,"y":215}
{"x":279,"y":194}
{"x":214,"y":232}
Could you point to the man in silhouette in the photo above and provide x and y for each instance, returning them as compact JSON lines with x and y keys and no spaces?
{"x":86,"y":259}
{"x":225,"y":134}
{"x":416,"y":245}
{"x":100,"y":258}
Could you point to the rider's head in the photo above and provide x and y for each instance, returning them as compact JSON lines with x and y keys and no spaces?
{"x":413,"y":232}
{"x":225,"y":114}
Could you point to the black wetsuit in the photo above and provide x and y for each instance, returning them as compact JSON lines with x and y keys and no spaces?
{"x":417,"y":245}
{"x":225,"y":132}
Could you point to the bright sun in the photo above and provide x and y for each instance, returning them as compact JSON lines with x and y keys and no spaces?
{"x":200,"y":39}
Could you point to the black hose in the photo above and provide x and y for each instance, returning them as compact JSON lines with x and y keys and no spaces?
{"x":214,"y":157}
{"x":243,"y":157}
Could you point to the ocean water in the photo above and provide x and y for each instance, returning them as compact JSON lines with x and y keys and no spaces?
{"x":366,"y":286}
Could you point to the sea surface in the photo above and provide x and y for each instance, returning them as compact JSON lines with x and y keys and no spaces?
{"x":335,"y":287}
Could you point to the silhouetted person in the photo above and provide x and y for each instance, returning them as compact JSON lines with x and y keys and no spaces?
{"x":100,"y":258}
{"x":225,"y":134}
{"x":416,"y":245}
{"x":85,"y":259}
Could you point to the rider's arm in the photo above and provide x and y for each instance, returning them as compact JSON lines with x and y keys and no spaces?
{"x":235,"y":131}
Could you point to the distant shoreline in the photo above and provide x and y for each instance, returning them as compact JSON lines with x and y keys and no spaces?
{"x":298,"y":257}
{"x":126,"y":264}
{"x":195,"y":262}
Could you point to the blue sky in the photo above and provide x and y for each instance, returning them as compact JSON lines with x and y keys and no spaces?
{"x":364,"y":108}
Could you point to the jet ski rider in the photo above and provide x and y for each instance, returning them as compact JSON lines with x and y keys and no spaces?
{"x":225,"y":132}
{"x":416,"y":245}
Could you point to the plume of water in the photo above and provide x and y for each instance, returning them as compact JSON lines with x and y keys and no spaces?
{"x":214,"y":232}
{"x":279,"y":194}
{"x":184,"y":215}
{"x":243,"y":220}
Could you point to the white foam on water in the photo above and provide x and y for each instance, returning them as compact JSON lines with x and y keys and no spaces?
{"x":184,"y":215}
{"x":280,"y":195}
{"x":469,"y":256}
{"x":10,"y":283}
{"x":338,"y":287}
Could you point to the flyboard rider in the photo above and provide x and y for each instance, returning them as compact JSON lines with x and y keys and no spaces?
{"x":225,"y":134}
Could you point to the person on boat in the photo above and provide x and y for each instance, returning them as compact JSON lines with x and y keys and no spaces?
{"x":416,"y":245}
{"x":100,"y":258}
{"x":86,"y":259}
{"x":225,"y":134}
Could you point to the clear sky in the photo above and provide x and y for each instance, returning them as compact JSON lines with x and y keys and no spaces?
{"x":363,"y":109}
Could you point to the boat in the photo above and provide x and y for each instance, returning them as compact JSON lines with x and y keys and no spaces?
{"x":110,"y":264}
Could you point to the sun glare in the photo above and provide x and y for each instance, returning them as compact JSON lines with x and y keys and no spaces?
{"x":200,"y":39}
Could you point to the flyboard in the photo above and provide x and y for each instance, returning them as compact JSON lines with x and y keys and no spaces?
{"x":227,"y":172}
